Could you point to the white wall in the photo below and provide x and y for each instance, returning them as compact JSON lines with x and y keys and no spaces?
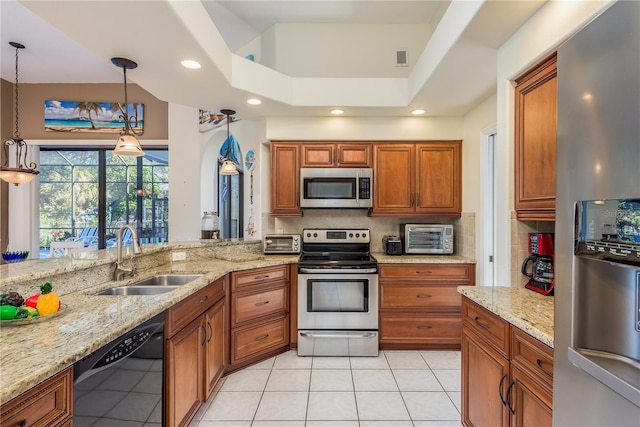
{"x":537,"y":38}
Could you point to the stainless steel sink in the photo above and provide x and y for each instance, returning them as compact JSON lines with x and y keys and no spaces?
{"x":152,"y":285}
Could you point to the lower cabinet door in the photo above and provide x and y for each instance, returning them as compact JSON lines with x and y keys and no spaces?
{"x":485,"y":380}
{"x":531,"y":404}
{"x":184,"y":385}
{"x":252,"y":341}
{"x":214,"y":360}
{"x":441,"y":329}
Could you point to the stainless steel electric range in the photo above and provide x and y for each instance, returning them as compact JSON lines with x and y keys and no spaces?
{"x":337,"y":294}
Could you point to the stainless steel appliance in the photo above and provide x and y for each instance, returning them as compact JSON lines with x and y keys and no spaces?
{"x":337,"y":294}
{"x":281,"y":244}
{"x":427,"y":238}
{"x":597,"y":336}
{"x":392,"y":245}
{"x":122,"y":382}
{"x":336,"y":188}
{"x":538,"y":267}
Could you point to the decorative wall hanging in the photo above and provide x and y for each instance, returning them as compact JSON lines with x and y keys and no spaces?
{"x":209,"y":120}
{"x":94,"y":117}
{"x":250,"y":164}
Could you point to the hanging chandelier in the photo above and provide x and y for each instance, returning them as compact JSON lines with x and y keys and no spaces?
{"x":22,"y":171}
{"x":127,"y":144}
{"x":228,"y":167}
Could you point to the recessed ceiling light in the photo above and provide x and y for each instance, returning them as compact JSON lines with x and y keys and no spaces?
{"x":254,"y":101}
{"x":417,"y":112}
{"x":188,"y":63}
{"x":337,"y":112}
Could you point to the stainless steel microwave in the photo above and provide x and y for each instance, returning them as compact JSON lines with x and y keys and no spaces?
{"x":336,"y":188}
{"x":281,"y":244}
{"x":427,"y":238}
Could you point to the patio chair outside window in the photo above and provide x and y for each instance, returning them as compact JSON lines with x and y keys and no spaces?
{"x":88,"y":236}
{"x":65,"y":248}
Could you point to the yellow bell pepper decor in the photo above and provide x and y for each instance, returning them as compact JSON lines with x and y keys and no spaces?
{"x":48,"y":302}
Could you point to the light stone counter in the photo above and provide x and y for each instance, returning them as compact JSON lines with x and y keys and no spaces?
{"x":525,"y":309}
{"x":31,"y":353}
{"x":419,"y":259}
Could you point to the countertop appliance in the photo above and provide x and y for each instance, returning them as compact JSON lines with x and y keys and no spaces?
{"x":346,"y":188}
{"x":281,"y":244}
{"x":596,"y":365}
{"x":337,"y":294}
{"x":392,"y":245}
{"x":123,"y":381}
{"x":427,"y":238}
{"x":538,"y":267}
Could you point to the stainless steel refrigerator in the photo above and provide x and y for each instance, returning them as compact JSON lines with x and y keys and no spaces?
{"x":597,"y":245}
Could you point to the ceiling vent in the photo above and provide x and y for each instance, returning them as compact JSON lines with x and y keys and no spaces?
{"x":402,"y":58}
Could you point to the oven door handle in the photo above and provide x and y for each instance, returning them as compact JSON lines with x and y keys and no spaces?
{"x":337,"y":270}
{"x":334,"y":335}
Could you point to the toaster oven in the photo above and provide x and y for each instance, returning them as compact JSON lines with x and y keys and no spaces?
{"x":281,"y":244}
{"x":427,"y":238}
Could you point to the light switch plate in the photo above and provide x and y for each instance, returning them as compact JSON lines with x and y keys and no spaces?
{"x":178,"y":256}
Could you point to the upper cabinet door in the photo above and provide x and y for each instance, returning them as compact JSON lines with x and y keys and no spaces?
{"x":318,"y":156}
{"x":393,"y":173}
{"x":535,"y":142}
{"x":353,"y":155}
{"x":285,"y":180}
{"x":347,"y":155}
{"x":438,"y":177}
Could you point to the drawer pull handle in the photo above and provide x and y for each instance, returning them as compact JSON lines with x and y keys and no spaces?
{"x":210,"y":331}
{"x":424,"y":296}
{"x":511,"y":409}
{"x":23,"y":423}
{"x":264,"y":337}
{"x":204,"y":335}
{"x":423,"y":272}
{"x":484,"y":325}
{"x":258,"y":304}
{"x":206,"y":297}
{"x":543,"y":369}
{"x":423,"y":327}
{"x":264,"y":276}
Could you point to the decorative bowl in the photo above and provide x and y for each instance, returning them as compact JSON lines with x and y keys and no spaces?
{"x":15,"y":256}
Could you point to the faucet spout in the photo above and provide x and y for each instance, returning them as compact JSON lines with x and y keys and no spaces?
{"x":120,"y":271}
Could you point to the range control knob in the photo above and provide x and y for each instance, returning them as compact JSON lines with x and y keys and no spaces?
{"x":364,"y":234}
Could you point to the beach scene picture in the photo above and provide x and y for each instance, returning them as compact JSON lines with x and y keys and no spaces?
{"x":95,"y":117}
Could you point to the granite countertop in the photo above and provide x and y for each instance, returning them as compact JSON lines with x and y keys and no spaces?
{"x":525,"y":309}
{"x":422,"y":259}
{"x":31,"y":353}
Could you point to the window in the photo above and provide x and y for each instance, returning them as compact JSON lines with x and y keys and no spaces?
{"x":230,"y":199}
{"x":88,"y":194}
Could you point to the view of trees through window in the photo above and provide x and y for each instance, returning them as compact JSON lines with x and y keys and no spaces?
{"x":88,"y":194}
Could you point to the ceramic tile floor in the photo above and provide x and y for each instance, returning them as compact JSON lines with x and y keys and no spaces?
{"x":395,"y":389}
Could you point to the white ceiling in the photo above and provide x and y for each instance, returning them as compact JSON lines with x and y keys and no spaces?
{"x":73,"y":41}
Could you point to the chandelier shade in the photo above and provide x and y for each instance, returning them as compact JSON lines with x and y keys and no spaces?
{"x":127,"y":144}
{"x":228,"y":166}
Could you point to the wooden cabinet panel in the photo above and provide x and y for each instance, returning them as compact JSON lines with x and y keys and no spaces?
{"x":253,"y":340}
{"x":411,"y":328}
{"x":393,"y":186}
{"x":318,"y":155}
{"x":492,"y":328}
{"x":484,"y":383}
{"x":531,"y":404}
{"x":401,"y":296}
{"x":47,"y":404}
{"x":285,"y":180}
{"x":532,"y":356}
{"x":181,"y":314}
{"x":438,"y":188}
{"x":535,"y":142}
{"x":345,"y":155}
{"x":459,"y":274}
{"x":353,"y":155}
{"x":215,"y":347}
{"x":251,"y":306}
{"x":184,"y":373}
{"x":259,"y":276}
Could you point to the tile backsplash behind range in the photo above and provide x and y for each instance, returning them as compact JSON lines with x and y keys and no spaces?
{"x":464,"y":227}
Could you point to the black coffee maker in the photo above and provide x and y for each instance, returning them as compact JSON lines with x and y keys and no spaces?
{"x":538,"y":267}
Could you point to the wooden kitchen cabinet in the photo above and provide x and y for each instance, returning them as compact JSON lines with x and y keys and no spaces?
{"x":507,"y":375}
{"x":421,"y":179}
{"x":420,"y":305}
{"x":47,"y":404}
{"x":196,"y":351}
{"x":328,"y":155}
{"x":259,"y":314}
{"x":535,"y":142}
{"x":285,"y":180}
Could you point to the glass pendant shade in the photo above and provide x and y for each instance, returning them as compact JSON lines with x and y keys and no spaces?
{"x":16,"y":176}
{"x":128,"y":145}
{"x":228,"y":168}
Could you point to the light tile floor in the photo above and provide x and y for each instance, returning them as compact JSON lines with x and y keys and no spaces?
{"x":395,"y":389}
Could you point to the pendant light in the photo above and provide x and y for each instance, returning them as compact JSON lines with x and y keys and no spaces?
{"x":228,"y":167}
{"x":22,"y":172}
{"x":127,"y":144}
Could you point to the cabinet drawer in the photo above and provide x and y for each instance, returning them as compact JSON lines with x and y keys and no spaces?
{"x":251,"y":341}
{"x":243,"y":279}
{"x":460,"y":274}
{"x":532,"y":355}
{"x":493,"y":329}
{"x":246,"y":307}
{"x":419,"y":328}
{"x":181,"y":314}
{"x":401,"y":296}
{"x":47,"y":404}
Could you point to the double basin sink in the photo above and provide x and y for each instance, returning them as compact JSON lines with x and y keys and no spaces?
{"x":153,"y":285}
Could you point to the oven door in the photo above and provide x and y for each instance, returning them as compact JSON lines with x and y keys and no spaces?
{"x":338,"y":301}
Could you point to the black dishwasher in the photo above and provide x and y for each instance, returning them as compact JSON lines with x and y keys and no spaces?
{"x":122,"y":382}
